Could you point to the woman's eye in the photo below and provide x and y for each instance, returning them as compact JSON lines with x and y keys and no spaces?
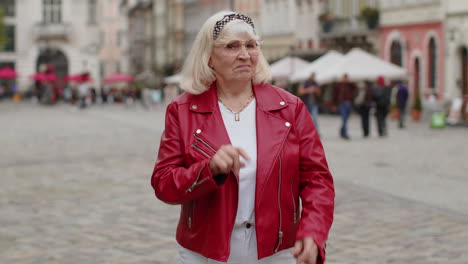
{"x":232,"y":46}
{"x":251,"y":45}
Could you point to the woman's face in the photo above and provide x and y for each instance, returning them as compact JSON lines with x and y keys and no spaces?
{"x":236,"y":59}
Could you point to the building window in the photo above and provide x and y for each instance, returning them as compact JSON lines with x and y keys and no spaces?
{"x":117,"y":67}
{"x":396,"y":56}
{"x":432,"y":63}
{"x":299,"y":45}
{"x":8,"y":45}
{"x":118,"y":38}
{"x":339,"y":8}
{"x":8,"y":7}
{"x":52,"y":11}
{"x":92,"y":12}
{"x":310,"y":44}
{"x":102,"y":70}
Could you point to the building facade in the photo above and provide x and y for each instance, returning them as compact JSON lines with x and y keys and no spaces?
{"x":63,"y":33}
{"x":413,"y":36}
{"x":456,"y":52}
{"x":278,"y":28}
{"x":111,"y":30}
{"x":343,"y":25}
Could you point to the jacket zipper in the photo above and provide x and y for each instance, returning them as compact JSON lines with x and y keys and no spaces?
{"x":190,"y":218}
{"x":190,"y":189}
{"x":294,"y":201}
{"x":204,"y":143}
{"x":280,"y":233}
{"x":201,"y":151}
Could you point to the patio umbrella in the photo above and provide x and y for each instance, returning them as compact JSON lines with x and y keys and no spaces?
{"x":176,"y":78}
{"x":360,"y":65}
{"x":318,"y":66}
{"x":284,"y":68}
{"x":118,"y":77}
{"x":8,"y":73}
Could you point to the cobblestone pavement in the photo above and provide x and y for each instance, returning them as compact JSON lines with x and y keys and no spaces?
{"x":75,"y":188}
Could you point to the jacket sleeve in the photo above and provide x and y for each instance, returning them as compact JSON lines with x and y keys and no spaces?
{"x":173,"y":180}
{"x":316,"y":184}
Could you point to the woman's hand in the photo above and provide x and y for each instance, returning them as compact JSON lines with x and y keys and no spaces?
{"x":227,"y":158}
{"x":305,"y":251}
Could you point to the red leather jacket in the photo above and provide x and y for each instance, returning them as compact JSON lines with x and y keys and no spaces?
{"x":291,"y":163}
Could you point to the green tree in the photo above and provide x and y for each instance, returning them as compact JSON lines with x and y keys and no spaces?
{"x":3,"y":37}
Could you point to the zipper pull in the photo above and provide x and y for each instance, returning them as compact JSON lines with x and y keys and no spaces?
{"x":280,"y":240}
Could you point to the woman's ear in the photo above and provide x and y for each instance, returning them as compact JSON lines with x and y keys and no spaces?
{"x":210,"y":64}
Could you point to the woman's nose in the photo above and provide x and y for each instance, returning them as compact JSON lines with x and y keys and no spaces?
{"x":244,"y":52}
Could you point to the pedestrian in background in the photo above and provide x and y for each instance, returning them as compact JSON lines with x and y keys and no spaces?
{"x":239,"y":154}
{"x":309,"y":93}
{"x":83,"y":92}
{"x":381,"y":95}
{"x":402,"y":99}
{"x":343,"y":98}
{"x":363,"y":102}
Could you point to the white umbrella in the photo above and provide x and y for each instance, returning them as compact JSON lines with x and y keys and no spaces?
{"x":317,"y":66}
{"x":284,"y":68}
{"x":176,"y":78}
{"x":360,"y":66}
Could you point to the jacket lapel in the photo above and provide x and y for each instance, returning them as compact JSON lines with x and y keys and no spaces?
{"x":272,"y":131}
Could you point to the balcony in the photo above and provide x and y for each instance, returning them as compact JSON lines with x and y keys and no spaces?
{"x":341,"y":27}
{"x":59,"y":31}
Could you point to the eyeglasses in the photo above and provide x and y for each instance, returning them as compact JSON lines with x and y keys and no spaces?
{"x":233,"y":48}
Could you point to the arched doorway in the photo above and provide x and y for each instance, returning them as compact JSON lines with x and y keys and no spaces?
{"x":53,"y":57}
{"x":464,"y":71}
{"x":416,"y":78}
{"x":432,"y":64}
{"x":396,"y":53}
{"x":464,"y":82}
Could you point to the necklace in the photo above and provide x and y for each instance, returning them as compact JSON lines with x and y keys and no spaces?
{"x":237,"y":114}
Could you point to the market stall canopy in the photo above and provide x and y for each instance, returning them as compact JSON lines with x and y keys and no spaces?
{"x":361,"y":66}
{"x":118,"y":77}
{"x":176,"y":78}
{"x":8,"y":73}
{"x":78,"y":78}
{"x":284,"y":68}
{"x":44,"y":77}
{"x":318,"y":66}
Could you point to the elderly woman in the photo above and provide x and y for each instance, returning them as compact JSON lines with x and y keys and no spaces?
{"x":237,"y":154}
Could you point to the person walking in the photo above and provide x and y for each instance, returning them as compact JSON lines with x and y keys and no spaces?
{"x":343,"y":98}
{"x":363,"y":101}
{"x":402,"y":99}
{"x":309,"y":93}
{"x":239,"y":155}
{"x":381,"y":95}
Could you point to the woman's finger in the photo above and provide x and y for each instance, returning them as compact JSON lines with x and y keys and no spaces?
{"x":297,"y":248}
{"x":242,"y":152}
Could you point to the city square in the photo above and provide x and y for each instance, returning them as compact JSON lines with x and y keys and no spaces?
{"x":75,"y":188}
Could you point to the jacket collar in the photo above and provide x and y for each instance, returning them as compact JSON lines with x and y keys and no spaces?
{"x":266,"y":96}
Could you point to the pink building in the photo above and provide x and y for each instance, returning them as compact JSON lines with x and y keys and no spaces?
{"x":412,"y":36}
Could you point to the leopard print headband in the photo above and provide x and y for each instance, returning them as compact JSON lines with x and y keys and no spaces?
{"x":228,"y":18}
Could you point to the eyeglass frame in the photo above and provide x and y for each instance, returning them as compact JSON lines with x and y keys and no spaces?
{"x":242,"y":43}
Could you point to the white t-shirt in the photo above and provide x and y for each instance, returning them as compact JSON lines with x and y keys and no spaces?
{"x":243,"y":134}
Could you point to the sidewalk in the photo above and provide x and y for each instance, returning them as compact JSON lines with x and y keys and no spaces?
{"x":75,"y":188}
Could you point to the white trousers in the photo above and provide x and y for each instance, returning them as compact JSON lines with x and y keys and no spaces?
{"x":243,"y":251}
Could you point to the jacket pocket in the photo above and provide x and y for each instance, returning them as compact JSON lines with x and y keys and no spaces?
{"x":191,"y":210}
{"x":295,"y":205}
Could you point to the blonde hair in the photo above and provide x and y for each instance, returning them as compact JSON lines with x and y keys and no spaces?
{"x":197,"y":76}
